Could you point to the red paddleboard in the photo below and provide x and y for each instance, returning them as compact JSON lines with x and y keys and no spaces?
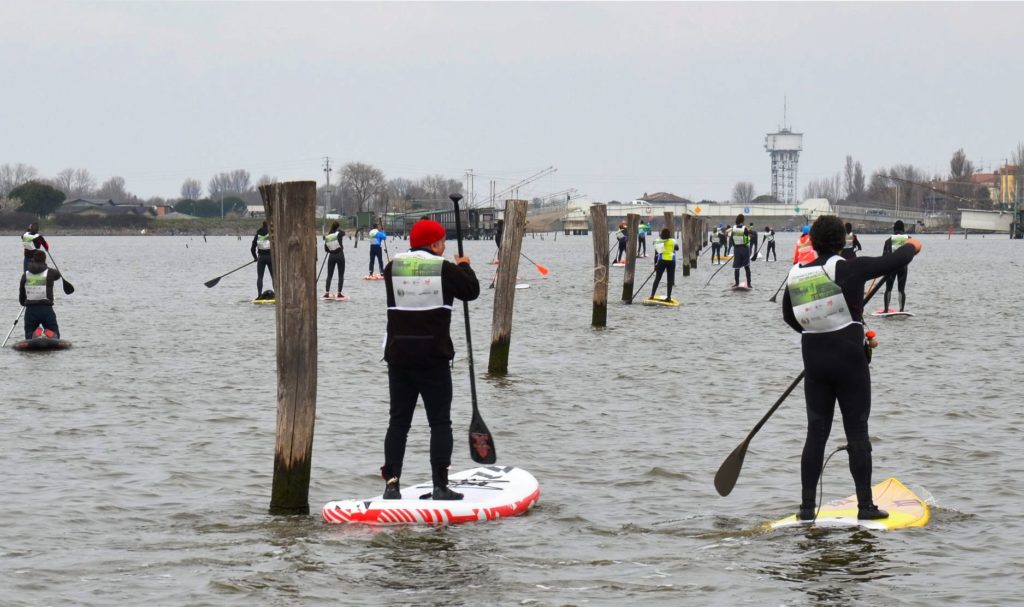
{"x":374,"y":277}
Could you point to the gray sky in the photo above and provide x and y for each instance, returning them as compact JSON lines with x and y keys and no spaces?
{"x":622,"y":97}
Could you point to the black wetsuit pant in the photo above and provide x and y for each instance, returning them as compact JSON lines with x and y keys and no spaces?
{"x":836,"y":370}
{"x":641,"y":244}
{"x":900,"y":277}
{"x":670,"y":281}
{"x":376,"y":252}
{"x":40,"y":315}
{"x":622,"y":251}
{"x":770,"y":251}
{"x":434,"y":384}
{"x":263,"y":261}
{"x":335,"y":260}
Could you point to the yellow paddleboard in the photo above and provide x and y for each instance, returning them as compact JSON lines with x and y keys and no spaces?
{"x":660,"y":301}
{"x":905,"y":509}
{"x":265,"y":301}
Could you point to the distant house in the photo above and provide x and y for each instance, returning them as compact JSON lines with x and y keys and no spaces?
{"x":103,"y":208}
{"x":255,"y":210}
{"x":663,"y":198}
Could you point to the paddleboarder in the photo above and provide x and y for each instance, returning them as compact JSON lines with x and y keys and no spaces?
{"x":852,"y":245}
{"x":421,"y":286}
{"x":824,"y":302}
{"x":769,"y":240}
{"x":739,"y":236}
{"x":335,"y":258}
{"x":892,"y":243}
{"x":753,"y":242}
{"x":803,"y":252}
{"x":499,"y":229}
{"x":35,"y":292}
{"x":377,"y":238}
{"x":622,"y":238}
{"x":717,"y":244}
{"x":641,"y":243}
{"x":665,"y":261}
{"x":32,"y":241}
{"x":260,"y":250}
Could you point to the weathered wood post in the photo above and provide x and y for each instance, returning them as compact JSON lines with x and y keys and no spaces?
{"x":505,"y":285}
{"x":290,"y":210}
{"x":684,"y":250}
{"x":599,"y":229}
{"x":629,"y":274}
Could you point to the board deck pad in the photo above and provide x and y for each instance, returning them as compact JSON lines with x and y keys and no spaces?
{"x":491,"y":493}
{"x":905,"y":509}
{"x":40,"y":344}
{"x":660,"y":301}
{"x":889,"y":313}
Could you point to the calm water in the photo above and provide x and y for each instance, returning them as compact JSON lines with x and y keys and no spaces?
{"x":138,"y":465}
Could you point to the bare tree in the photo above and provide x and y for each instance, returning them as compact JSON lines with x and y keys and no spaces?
{"x":114,"y":189}
{"x":743,"y":192}
{"x":853,"y":180}
{"x":826,"y":187}
{"x":265,"y":180}
{"x":237,"y":182}
{"x":1017,"y":156}
{"x":191,"y":189}
{"x":363,"y":182}
{"x":64,"y":180}
{"x":11,"y":176}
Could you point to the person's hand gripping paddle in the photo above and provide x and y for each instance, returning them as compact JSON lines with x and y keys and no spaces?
{"x":481,"y":443}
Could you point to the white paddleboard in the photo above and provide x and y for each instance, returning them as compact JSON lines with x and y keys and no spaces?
{"x":905,"y":509}
{"x":522,"y":285}
{"x":491,"y":493}
{"x":740,"y":287}
{"x":889,"y":313}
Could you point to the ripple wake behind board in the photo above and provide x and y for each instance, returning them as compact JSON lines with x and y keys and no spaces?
{"x":491,"y":493}
{"x":905,"y":509}
{"x":41,"y":344}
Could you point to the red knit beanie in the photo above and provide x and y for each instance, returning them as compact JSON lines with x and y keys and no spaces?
{"x":425,"y":232}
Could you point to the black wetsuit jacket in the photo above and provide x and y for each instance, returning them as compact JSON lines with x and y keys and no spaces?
{"x":51,"y":276}
{"x":422,"y":338}
{"x":252,"y":249}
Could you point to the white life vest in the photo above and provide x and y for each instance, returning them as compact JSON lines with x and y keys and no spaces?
{"x":898,"y":240}
{"x":28,"y":241}
{"x":263,"y":241}
{"x":416,"y":281}
{"x":849,"y":240}
{"x":331,"y":240}
{"x":818,"y":302}
{"x":35,"y":286}
{"x":738,"y":237}
{"x":769,"y":237}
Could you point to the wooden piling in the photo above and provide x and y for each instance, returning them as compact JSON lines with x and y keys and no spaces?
{"x":633,"y":240}
{"x":290,"y":209}
{"x":599,"y":228}
{"x":684,"y":252}
{"x":505,"y":285}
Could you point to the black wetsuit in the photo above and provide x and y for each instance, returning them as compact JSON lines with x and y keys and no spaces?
{"x":336,"y":260}
{"x":836,"y":367}
{"x":899,"y":276}
{"x":850,"y":252}
{"x":661,"y":266}
{"x":769,"y":239}
{"x":754,"y":252}
{"x":623,"y":238}
{"x":418,"y":349}
{"x":740,"y":255}
{"x":39,"y":312}
{"x":262,"y":259}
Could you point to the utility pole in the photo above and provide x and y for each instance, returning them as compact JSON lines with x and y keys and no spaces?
{"x":327,"y":190}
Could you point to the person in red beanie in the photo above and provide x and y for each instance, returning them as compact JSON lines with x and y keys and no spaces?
{"x":421,"y":287}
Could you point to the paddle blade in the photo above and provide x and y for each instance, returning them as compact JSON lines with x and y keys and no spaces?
{"x":212,"y":282}
{"x":481,"y":443}
{"x":68,"y":287}
{"x":729,"y":471}
{"x":543,"y":270}
{"x":773,"y":297}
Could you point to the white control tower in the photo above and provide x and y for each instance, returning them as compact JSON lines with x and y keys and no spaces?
{"x":784,"y":147}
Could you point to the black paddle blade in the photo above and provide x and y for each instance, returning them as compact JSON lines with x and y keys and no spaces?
{"x":481,"y":444}
{"x":729,"y":471}
{"x":68,"y":287}
{"x":212,"y":282}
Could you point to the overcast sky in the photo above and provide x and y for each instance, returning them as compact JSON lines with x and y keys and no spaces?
{"x":623,"y":98}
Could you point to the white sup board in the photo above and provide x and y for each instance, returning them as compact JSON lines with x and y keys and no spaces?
{"x":740,"y":287}
{"x":890,"y":313}
{"x":905,"y":509}
{"x":491,"y":493}
{"x":522,"y":285}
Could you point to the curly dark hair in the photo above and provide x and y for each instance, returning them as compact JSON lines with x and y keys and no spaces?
{"x":828,"y":235}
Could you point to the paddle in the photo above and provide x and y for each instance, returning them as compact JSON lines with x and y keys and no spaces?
{"x":779,"y":290}
{"x":641,"y":287}
{"x":729,"y":471}
{"x":715,"y":274}
{"x":68,"y":287}
{"x":12,"y":326}
{"x":481,"y":443}
{"x":213,"y":281}
{"x":321,"y":270}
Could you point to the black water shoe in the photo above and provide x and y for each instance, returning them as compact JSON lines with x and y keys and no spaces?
{"x":871,"y":513}
{"x":391,"y":490}
{"x":445,"y":494}
{"x":806,"y":513}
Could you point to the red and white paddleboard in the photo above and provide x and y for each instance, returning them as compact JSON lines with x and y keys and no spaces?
{"x":374,"y":277}
{"x":341,"y":297}
{"x":890,"y":312}
{"x":491,"y":493}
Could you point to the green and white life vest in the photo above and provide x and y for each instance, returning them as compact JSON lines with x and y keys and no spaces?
{"x":739,"y":237}
{"x":818,"y":302}
{"x":849,"y":241}
{"x":263,"y":241}
{"x":666,"y":249}
{"x":898,"y":240}
{"x":35,"y":286}
{"x":769,"y":237}
{"x":331,"y":240}
{"x":28,"y":240}
{"x":416,"y":281}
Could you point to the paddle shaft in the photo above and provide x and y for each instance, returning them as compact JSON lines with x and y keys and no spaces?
{"x":14,"y":324}
{"x":213,"y":281}
{"x":68,"y":287}
{"x":465,"y":311}
{"x":779,"y":290}
{"x":641,"y":287}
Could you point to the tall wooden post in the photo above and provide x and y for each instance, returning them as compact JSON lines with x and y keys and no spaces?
{"x":629,"y":275}
{"x":687,"y":244}
{"x":505,"y":285}
{"x":599,"y":228}
{"x":290,"y":211}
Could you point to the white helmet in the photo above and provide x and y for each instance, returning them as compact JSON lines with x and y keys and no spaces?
{"x":373,"y":233}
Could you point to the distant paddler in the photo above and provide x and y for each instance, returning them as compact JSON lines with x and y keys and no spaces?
{"x":852,"y":245}
{"x":824,"y":301}
{"x":377,"y":238}
{"x":769,"y":241}
{"x":740,"y":238}
{"x":260,"y":250}
{"x":803,"y":252}
{"x":35,"y":292}
{"x":32,"y":241}
{"x":717,"y":244}
{"x":893,"y":243}
{"x":335,"y":258}
{"x":665,"y":249}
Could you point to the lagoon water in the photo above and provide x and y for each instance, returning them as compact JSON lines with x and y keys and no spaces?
{"x":137,"y":466}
